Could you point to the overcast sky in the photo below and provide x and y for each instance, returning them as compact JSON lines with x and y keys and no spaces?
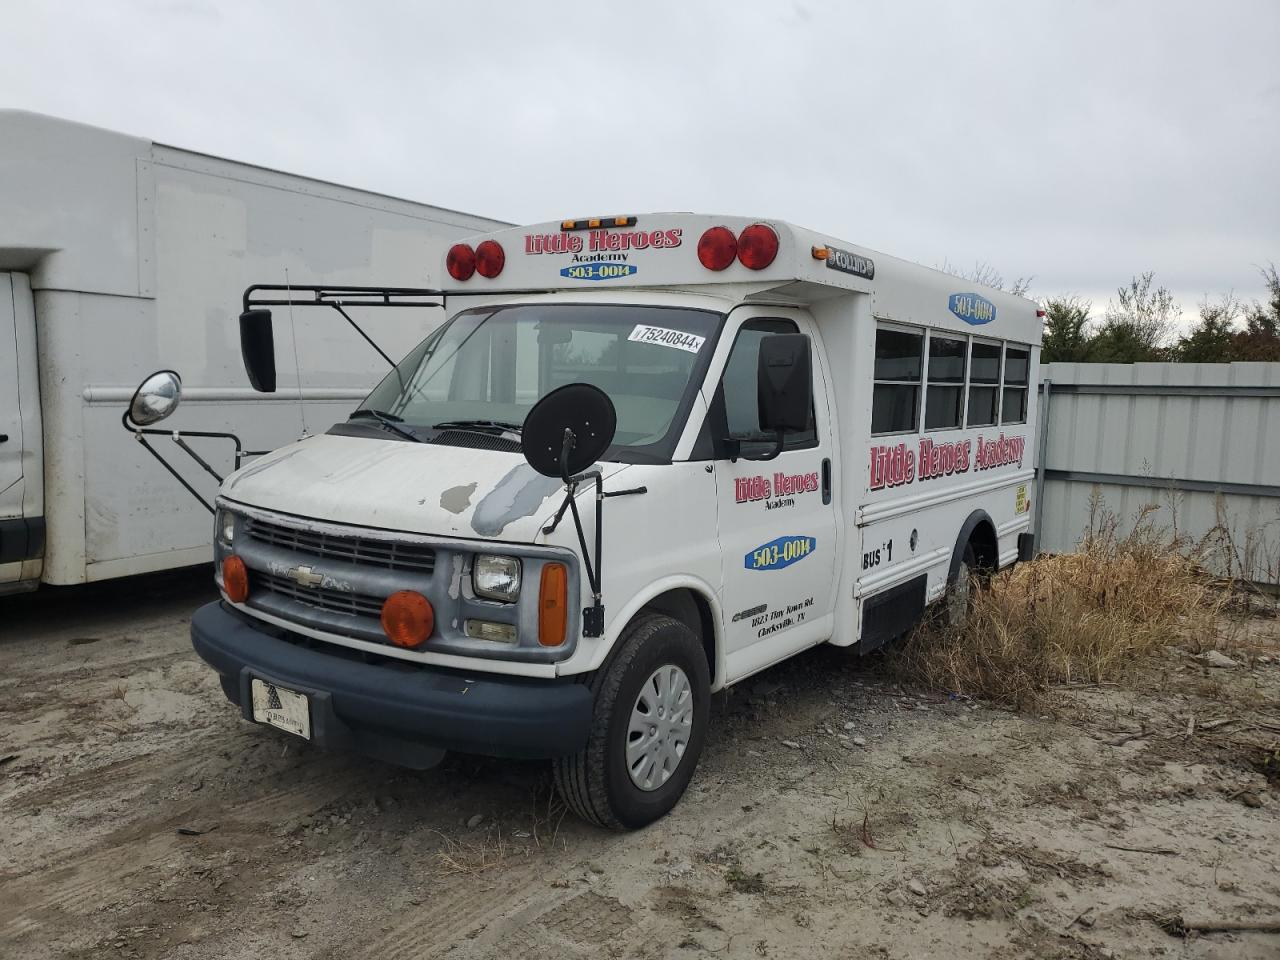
{"x":1076,"y":142}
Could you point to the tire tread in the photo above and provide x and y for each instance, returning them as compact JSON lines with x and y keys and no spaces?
{"x":577,"y":775}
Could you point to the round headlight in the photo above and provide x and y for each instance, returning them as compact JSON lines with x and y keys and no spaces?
{"x":496,"y":578}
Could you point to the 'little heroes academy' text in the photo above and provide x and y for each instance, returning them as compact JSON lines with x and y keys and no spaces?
{"x":893,"y":466}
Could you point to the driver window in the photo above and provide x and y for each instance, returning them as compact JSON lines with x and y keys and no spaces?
{"x":738,"y":387}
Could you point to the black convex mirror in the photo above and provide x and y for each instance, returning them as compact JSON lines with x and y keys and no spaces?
{"x":258,"y":349}
{"x":568,"y":430}
{"x":784,"y":383}
{"x":157,"y":397}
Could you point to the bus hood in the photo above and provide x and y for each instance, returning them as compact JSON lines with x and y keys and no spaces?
{"x":421,"y":488}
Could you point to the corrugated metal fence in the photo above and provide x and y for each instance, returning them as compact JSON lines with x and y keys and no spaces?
{"x":1201,"y":441}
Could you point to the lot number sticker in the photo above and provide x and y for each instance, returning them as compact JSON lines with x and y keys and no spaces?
{"x":662,"y":336}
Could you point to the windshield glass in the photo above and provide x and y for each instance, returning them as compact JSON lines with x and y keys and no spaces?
{"x":487,"y":367}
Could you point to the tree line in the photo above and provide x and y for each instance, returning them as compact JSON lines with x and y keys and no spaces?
{"x":1140,"y":324}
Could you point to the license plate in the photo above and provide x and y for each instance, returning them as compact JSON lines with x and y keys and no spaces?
{"x":279,"y":707}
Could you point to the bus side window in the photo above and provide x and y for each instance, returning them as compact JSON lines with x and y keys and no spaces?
{"x":1017,"y":363}
{"x":895,"y":401}
{"x":944,"y":396}
{"x":984,"y":384}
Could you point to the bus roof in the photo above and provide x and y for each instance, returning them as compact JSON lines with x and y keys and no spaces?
{"x":691,"y":251}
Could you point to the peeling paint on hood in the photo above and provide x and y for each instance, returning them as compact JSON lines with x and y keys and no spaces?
{"x":416,"y":487}
{"x":518,"y":494}
{"x":457,"y":499}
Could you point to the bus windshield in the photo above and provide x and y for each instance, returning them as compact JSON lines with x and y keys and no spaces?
{"x":484,"y":369}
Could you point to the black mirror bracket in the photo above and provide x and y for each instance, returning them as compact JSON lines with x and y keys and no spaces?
{"x":592,"y":616}
{"x":179,"y":438}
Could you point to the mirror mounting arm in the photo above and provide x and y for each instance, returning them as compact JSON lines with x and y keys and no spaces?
{"x":178,"y":437}
{"x":568,"y":430}
{"x":592,"y":616}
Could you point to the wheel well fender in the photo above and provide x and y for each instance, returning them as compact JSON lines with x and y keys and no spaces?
{"x":689,"y":601}
{"x":981,"y":532}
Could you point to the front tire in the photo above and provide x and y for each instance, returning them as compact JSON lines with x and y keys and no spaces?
{"x":959,"y":599}
{"x":648,"y":728}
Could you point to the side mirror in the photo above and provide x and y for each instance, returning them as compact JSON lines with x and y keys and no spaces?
{"x":156,"y":398}
{"x":784,"y":383}
{"x":568,"y":430}
{"x":258,"y":349}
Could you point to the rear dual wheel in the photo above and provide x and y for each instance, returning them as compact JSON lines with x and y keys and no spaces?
{"x":648,"y":727}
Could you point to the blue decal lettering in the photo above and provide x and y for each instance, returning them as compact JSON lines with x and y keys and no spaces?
{"x":601,"y":270}
{"x":972,"y":308}
{"x":779,"y":553}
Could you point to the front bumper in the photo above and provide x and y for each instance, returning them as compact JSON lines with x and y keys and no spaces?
{"x":397,"y":712}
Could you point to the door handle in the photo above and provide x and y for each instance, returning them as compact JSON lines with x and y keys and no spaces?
{"x":4,"y":437}
{"x":826,"y":480}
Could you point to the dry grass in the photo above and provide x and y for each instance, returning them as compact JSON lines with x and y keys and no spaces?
{"x":1086,"y":617}
{"x":494,"y":849}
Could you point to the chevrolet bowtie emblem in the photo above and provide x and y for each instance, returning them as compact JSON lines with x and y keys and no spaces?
{"x":305,"y":576}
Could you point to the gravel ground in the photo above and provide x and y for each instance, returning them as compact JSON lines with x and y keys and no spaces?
{"x":834,"y":813}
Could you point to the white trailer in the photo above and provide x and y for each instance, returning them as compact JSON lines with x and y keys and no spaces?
{"x":767,"y":439}
{"x":118,"y":256}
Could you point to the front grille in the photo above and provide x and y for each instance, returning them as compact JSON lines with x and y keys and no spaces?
{"x":366,"y":551}
{"x":334,"y":601}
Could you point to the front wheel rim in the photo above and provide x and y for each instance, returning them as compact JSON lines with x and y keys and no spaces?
{"x":660,"y":727}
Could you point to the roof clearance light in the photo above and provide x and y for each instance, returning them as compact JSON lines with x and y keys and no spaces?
{"x":460,"y":261}
{"x":757,"y":246}
{"x":490,"y":258}
{"x":717,"y":248}
{"x":596,"y":223}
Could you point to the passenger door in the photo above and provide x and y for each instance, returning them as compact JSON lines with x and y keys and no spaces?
{"x":776,"y":517}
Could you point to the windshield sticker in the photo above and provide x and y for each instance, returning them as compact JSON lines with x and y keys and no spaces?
{"x":779,"y":553}
{"x":600,"y":270}
{"x":689,"y":342}
{"x":972,"y":308}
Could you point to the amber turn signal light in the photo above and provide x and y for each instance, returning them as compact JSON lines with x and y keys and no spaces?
{"x":235,"y":579}
{"x":553,"y":604}
{"x":407,"y":618}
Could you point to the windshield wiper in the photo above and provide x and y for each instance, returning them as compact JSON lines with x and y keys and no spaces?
{"x":388,"y":420}
{"x":501,"y":426}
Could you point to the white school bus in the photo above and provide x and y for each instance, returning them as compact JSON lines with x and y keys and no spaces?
{"x":642,"y":459}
